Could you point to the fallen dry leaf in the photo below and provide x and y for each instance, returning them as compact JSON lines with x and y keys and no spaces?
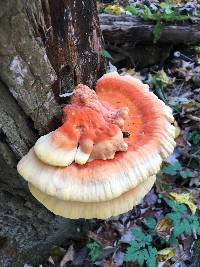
{"x":114,"y":9}
{"x":109,"y":263}
{"x":163,"y":228}
{"x":69,"y":256}
{"x":164,"y":255}
{"x":177,"y":129}
{"x":195,"y":182}
{"x":98,"y":238}
{"x":51,"y":260}
{"x":185,"y":198}
{"x":164,"y":78}
{"x":118,"y":258}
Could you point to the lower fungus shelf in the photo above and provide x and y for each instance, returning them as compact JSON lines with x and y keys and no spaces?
{"x":89,"y":210}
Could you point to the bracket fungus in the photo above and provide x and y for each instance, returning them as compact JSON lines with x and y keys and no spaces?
{"x":85,"y":168}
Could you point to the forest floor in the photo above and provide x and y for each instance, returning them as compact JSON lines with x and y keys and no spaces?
{"x":164,"y":229}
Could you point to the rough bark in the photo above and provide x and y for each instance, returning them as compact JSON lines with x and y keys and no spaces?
{"x":72,"y":37}
{"x":36,"y":65}
{"x":130,"y":39}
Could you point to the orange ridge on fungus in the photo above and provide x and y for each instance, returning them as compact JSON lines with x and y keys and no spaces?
{"x":86,"y":97}
{"x":91,"y":130}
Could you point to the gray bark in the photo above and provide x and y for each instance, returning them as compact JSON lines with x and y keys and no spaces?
{"x":36,"y":65}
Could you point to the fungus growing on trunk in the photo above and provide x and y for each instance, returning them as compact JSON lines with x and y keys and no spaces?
{"x":85,"y":168}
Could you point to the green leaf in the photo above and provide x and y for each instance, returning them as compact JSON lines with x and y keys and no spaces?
{"x":187,"y":226}
{"x":196,"y":139}
{"x":95,"y":251}
{"x":193,"y":218}
{"x":173,"y":241}
{"x":186,"y":173}
{"x":158,"y":90}
{"x":169,"y":170}
{"x":179,"y":208}
{"x":167,"y":8}
{"x":174,"y":216}
{"x":147,"y":14}
{"x":133,"y":10}
{"x":136,"y":245}
{"x":179,"y":228}
{"x":196,"y":253}
{"x":196,"y":226}
{"x":177,"y":165}
{"x":141,"y":256}
{"x":138,"y":234}
{"x":196,"y":49}
{"x":106,"y":54}
{"x":151,"y":257}
{"x":114,"y":9}
{"x":141,"y":249}
{"x":194,"y":223}
{"x":183,"y":224}
{"x":141,"y":237}
{"x":172,"y":169}
{"x":150,"y":222}
{"x":157,"y":31}
{"x":131,"y":254}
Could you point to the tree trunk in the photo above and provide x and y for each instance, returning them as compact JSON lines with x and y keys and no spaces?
{"x":47,"y":47}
